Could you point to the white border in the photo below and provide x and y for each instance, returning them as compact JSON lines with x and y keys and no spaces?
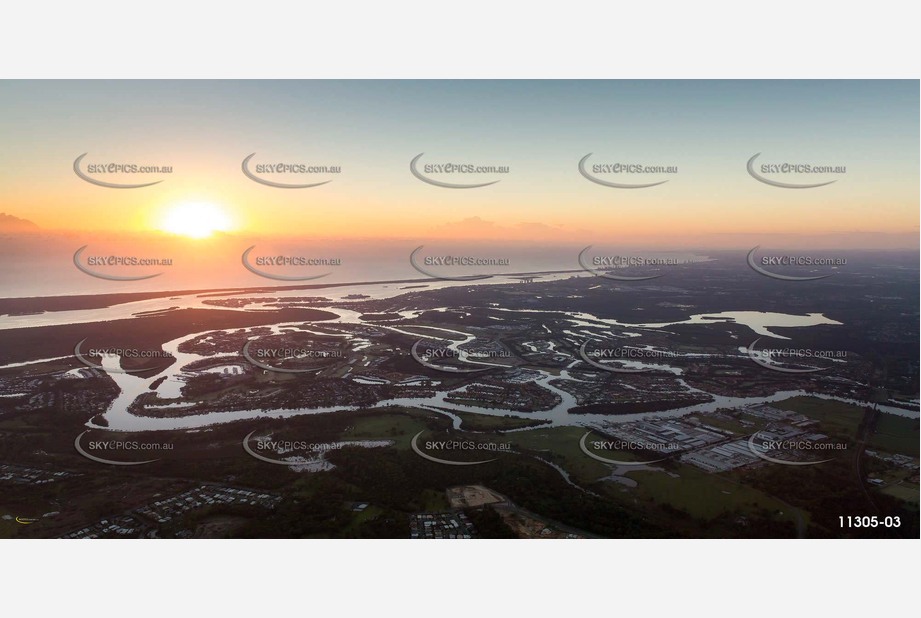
{"x":459,"y":39}
{"x":470,"y":39}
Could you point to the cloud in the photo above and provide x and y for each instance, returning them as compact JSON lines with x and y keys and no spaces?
{"x":11,"y":224}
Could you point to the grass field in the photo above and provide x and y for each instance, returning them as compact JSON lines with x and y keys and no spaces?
{"x":484,"y":422}
{"x":388,"y":426}
{"x":435,"y":501}
{"x":731,"y":424}
{"x":896,"y":434}
{"x":561,"y":446}
{"x":700,"y":494}
{"x":908,"y":493}
{"x":837,"y":418}
{"x":704,"y":495}
{"x":361,"y":518}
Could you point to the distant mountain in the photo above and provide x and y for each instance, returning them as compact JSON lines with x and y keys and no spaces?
{"x":9,"y":223}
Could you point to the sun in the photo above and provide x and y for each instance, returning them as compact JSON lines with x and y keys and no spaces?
{"x":195,"y":220}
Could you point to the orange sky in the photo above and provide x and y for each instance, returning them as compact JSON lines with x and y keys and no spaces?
{"x":539,"y":130}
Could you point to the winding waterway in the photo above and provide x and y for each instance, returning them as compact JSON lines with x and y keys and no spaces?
{"x":119,"y":418}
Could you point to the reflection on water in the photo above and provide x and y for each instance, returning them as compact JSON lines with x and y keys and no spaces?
{"x":120,"y":419}
{"x":372,"y":291}
{"x":758,"y":321}
{"x":169,"y":389}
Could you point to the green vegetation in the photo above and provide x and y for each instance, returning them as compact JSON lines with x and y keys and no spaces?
{"x":489,"y":524}
{"x":484,"y":422}
{"x":561,"y":446}
{"x":732,"y":424}
{"x":433,"y":500}
{"x":703,"y":495}
{"x":828,"y":491}
{"x":896,"y":434}
{"x":908,"y":493}
{"x":396,"y":426}
{"x":837,"y":418}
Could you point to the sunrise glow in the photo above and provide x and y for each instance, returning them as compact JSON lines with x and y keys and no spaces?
{"x":195,"y":220}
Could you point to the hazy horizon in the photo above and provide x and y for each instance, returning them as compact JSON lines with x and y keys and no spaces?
{"x":370,"y":131}
{"x":717,"y":170}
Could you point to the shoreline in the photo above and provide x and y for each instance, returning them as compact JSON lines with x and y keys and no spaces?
{"x":127,"y":297}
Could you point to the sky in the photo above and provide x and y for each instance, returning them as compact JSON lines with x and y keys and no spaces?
{"x":539,"y":129}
